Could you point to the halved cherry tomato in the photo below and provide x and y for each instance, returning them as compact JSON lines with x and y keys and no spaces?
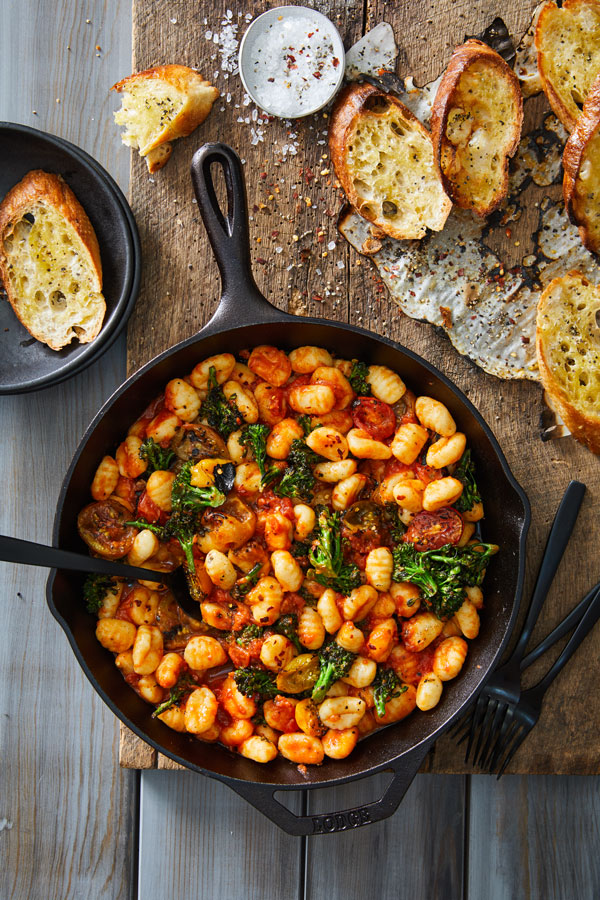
{"x":103,"y":527}
{"x":431,"y":530}
{"x":427,"y":473}
{"x":148,"y":510}
{"x":374,"y":417}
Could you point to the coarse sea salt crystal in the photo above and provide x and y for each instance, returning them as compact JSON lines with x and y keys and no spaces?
{"x":293,"y":68}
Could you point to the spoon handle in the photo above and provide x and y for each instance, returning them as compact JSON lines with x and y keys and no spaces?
{"x":26,"y":552}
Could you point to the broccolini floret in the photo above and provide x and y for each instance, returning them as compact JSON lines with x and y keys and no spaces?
{"x":158,"y":458}
{"x":219,"y":412}
{"x":442,"y":575}
{"x":334,"y":663}
{"x":358,"y":378}
{"x":94,"y":589}
{"x":385,"y":686}
{"x":326,"y":556}
{"x":287,"y":625}
{"x":248,"y":634}
{"x":252,"y":681}
{"x":255,"y":437}
{"x":465,"y":472}
{"x":298,"y":480}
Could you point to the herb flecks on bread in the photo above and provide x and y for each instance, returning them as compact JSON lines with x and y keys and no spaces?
{"x":476,"y":125}
{"x":384,"y":160}
{"x":568,"y":351}
{"x":160,"y":105}
{"x":567,"y":41}
{"x":581,"y":164}
{"x":50,"y":261}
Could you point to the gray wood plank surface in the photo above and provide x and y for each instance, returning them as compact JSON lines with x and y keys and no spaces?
{"x":534,"y":837}
{"x":212,"y":843}
{"x":392,"y":858}
{"x":67,"y":813}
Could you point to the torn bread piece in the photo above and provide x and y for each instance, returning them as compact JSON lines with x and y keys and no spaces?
{"x":384,"y":160}
{"x":160,"y":105}
{"x":476,"y":126}
{"x":50,"y":261}
{"x":567,"y":40}
{"x":568,"y":352}
{"x":581,"y":164}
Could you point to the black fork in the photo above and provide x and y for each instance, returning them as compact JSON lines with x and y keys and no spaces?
{"x":521,"y":718}
{"x":484,"y":722}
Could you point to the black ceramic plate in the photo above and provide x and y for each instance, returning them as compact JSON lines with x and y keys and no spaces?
{"x":27,"y":364}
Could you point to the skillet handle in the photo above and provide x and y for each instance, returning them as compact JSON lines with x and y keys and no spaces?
{"x":261,"y":796}
{"x":241,"y":302}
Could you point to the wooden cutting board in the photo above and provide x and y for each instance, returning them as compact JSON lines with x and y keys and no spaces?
{"x":302,"y":265}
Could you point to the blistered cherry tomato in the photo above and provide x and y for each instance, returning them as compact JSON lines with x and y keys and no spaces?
{"x":427,"y":473}
{"x":374,"y":417}
{"x":148,"y":510}
{"x":103,"y":527}
{"x":431,"y":530}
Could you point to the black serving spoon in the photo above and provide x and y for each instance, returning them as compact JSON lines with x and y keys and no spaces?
{"x":30,"y":554}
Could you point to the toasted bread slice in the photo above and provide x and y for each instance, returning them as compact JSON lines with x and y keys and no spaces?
{"x":476,"y":125}
{"x":568,"y":352}
{"x":50,"y":261}
{"x":161,"y":105}
{"x":383,"y":158}
{"x":567,"y":41}
{"x":581,"y":164}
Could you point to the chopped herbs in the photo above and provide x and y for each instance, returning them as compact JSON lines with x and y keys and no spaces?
{"x":220,"y":413}
{"x":443,"y":574}
{"x":158,"y":458}
{"x":358,"y":378}
{"x":326,"y":556}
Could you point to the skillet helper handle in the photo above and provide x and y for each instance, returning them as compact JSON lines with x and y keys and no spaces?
{"x":261,"y":796}
{"x":562,"y":527}
{"x":228,"y":235}
{"x":28,"y":553}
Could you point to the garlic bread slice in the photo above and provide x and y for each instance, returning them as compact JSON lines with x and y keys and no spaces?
{"x":567,"y":40}
{"x":568,"y":352}
{"x":581,"y":164}
{"x":383,"y":158}
{"x":50,"y":261}
{"x":160,"y":105}
{"x":476,"y":126}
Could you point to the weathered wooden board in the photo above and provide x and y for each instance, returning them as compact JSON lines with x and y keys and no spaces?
{"x":67,"y":814}
{"x":302,"y":265}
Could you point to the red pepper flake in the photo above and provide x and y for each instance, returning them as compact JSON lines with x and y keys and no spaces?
{"x":524,"y":339}
{"x":316,"y":74}
{"x":261,"y":261}
{"x":274,"y":233}
{"x":412,"y":293}
{"x":317,"y":297}
{"x":460,"y":272}
{"x":263,"y":175}
{"x":336,"y":62}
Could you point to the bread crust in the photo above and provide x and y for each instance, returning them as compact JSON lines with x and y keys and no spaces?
{"x":473,"y":51}
{"x":43,"y":187}
{"x":585,"y":130}
{"x":350,"y":104}
{"x":584,"y":428}
{"x":200,"y":96}
{"x":567,"y":115}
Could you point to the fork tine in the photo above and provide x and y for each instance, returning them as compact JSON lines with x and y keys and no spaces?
{"x":462,"y":725}
{"x":517,"y":739}
{"x":484,"y":730}
{"x":476,"y":720}
{"x":503,"y":739}
{"x":502,"y":711}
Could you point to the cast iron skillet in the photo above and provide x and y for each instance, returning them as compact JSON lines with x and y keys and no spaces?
{"x":244,"y":319}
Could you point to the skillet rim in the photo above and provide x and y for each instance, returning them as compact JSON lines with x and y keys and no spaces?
{"x":274,"y":316}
